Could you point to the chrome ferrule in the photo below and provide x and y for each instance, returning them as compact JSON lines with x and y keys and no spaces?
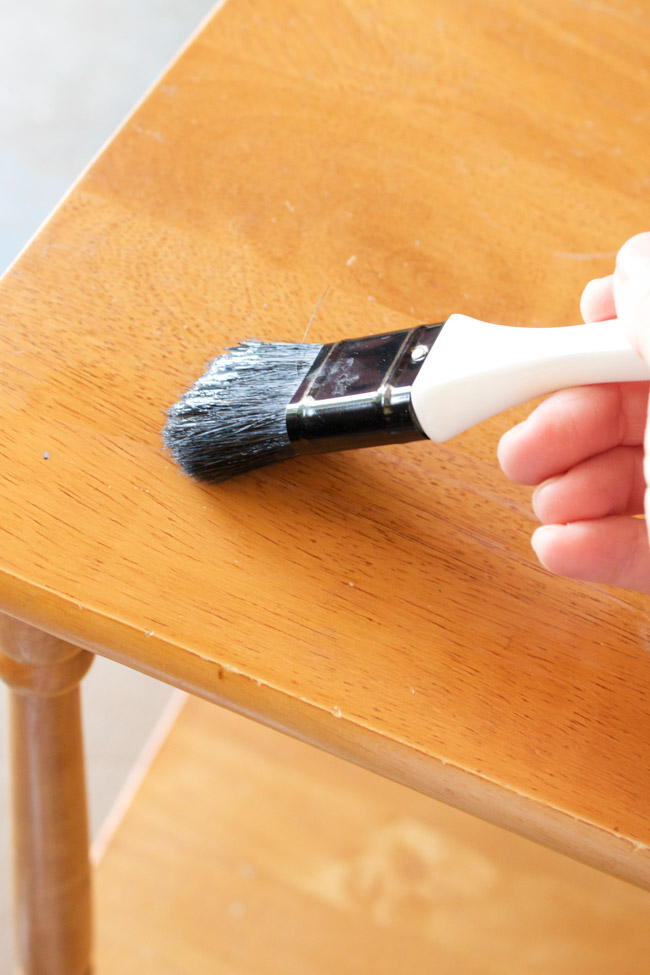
{"x":358,"y":393}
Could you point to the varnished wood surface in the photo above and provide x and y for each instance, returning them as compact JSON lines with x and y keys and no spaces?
{"x":249,"y":853}
{"x":478,"y":157}
{"x":50,"y":830}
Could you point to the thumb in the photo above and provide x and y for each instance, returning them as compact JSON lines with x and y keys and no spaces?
{"x":632,"y":300}
{"x":632,"y":291}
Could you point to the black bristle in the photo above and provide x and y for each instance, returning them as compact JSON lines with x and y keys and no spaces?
{"x":233,"y":419}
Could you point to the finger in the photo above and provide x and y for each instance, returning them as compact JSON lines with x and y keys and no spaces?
{"x":607,"y":484}
{"x":571,"y":426}
{"x":613,"y":551}
{"x":632,"y":291}
{"x":597,"y":302}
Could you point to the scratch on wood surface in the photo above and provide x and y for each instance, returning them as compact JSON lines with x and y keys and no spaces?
{"x":151,"y":134}
{"x":320,"y":302}
{"x":611,"y":10}
{"x":586,"y":255}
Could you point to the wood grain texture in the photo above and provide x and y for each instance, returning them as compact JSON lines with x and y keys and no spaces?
{"x":50,"y":829}
{"x":249,"y":853}
{"x":384,"y":604}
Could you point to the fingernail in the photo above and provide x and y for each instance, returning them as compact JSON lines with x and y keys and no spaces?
{"x":539,"y":539}
{"x":632,"y":291}
{"x":505,"y":447}
{"x":539,"y":495}
{"x":633,"y":259}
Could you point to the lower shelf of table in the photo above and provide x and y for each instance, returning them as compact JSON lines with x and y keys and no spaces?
{"x":248,"y":853}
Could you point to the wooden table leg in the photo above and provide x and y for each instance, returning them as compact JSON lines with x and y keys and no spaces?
{"x":50,"y":831}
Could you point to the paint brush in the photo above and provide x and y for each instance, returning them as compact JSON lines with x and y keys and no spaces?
{"x":263,"y":402}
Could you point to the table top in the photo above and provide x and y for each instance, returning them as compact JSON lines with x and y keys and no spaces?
{"x":384,"y":604}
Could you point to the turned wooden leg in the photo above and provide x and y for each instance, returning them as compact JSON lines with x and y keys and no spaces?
{"x":50,"y":831}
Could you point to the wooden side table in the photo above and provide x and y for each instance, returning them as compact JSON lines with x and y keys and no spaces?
{"x":383,"y":604}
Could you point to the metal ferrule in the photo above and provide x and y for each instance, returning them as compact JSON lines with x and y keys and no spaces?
{"x":358,"y":393}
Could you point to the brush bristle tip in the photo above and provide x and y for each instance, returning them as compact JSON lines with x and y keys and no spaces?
{"x":233,"y":419}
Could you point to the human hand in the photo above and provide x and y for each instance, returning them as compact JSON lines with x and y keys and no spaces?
{"x":584,"y":449}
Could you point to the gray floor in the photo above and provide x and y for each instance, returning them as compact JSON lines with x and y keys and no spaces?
{"x":69,"y":72}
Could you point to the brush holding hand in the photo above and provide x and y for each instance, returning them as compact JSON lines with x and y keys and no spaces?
{"x":260,"y":403}
{"x":584,"y":449}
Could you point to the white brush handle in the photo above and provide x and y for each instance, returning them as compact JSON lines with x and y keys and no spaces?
{"x":477,"y":369}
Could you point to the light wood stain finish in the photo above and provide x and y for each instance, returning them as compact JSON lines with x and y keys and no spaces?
{"x":384,"y":604}
{"x":249,"y":853}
